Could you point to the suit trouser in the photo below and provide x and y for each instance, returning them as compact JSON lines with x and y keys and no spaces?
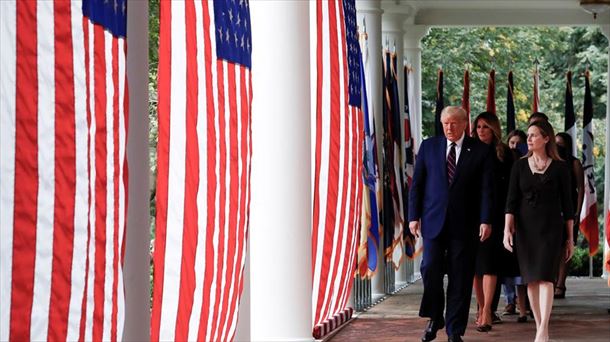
{"x":456,"y":257}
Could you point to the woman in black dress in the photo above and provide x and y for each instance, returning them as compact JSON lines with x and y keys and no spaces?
{"x":577,"y":187}
{"x":538,"y":208}
{"x":487,"y":129}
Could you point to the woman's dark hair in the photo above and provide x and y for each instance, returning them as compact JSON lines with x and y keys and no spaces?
{"x":568,"y":145}
{"x":517,"y":132}
{"x":492,"y":121}
{"x":537,"y":116}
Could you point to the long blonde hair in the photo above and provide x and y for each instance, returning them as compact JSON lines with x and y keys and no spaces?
{"x":492,"y":121}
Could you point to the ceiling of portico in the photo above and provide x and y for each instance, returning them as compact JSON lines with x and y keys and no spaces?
{"x":493,"y":12}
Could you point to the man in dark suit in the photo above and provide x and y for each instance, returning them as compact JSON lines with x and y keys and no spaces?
{"x":451,"y":195}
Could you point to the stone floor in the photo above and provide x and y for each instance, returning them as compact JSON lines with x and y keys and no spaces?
{"x":582,"y":316}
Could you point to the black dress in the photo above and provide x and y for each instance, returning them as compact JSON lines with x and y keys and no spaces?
{"x":490,"y":255}
{"x":541,"y":203}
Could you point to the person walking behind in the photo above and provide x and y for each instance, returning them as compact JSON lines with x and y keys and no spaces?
{"x":450,"y":203}
{"x":577,"y":188}
{"x":538,"y":208}
{"x":490,"y":255}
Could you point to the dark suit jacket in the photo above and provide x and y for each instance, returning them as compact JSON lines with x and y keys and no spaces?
{"x":464,"y":205}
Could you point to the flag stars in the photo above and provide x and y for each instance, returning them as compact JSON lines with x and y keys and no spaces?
{"x":231,"y":15}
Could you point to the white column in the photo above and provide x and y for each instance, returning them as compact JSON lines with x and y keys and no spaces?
{"x":606,"y":31}
{"x":136,"y":273}
{"x":281,"y":205}
{"x":370,"y":11}
{"x":412,"y":49}
{"x":392,"y":33}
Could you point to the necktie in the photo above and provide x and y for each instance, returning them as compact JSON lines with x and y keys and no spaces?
{"x":451,"y":164}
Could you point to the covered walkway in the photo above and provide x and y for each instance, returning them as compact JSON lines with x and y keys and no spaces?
{"x":582,"y":316}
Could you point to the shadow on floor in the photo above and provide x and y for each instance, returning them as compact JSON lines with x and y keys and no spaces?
{"x":581,"y":316}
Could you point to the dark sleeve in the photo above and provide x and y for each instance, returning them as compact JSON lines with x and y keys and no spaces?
{"x":514,"y":192}
{"x":416,"y":192}
{"x":487,"y":183}
{"x":565,"y":183}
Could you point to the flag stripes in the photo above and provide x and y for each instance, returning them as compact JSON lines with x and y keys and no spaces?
{"x":47,"y":267}
{"x":203,"y":185}
{"x":338,"y":146}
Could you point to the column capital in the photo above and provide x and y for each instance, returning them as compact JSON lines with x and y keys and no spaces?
{"x":369,"y":7}
{"x":606,"y":31}
{"x":393,"y":22}
{"x":413,"y":35}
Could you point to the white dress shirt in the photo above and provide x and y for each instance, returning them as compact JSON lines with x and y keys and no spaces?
{"x":458,"y":148}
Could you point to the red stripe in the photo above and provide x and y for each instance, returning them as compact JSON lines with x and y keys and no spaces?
{"x":125,"y":164}
{"x":333,"y":165}
{"x":222,"y":174}
{"x":316,"y":191}
{"x":115,"y":178}
{"x":164,"y":109}
{"x":81,"y":335}
{"x":65,"y":174}
{"x":26,"y":172}
{"x":101,"y":180}
{"x":211,"y":175}
{"x":190,"y":232}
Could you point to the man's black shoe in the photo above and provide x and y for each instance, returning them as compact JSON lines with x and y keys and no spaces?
{"x":455,"y":338}
{"x":432,"y":328}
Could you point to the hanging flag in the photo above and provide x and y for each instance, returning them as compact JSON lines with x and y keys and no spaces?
{"x":408,"y":161}
{"x":203,"y":182}
{"x":466,"y":100}
{"x":570,"y":117}
{"x":338,"y":161}
{"x":392,"y":193}
{"x":588,"y":217}
{"x":536,"y":100}
{"x":63,"y":171}
{"x":369,"y":224}
{"x":491,"y":92}
{"x":440,"y":104}
{"x":510,"y":104}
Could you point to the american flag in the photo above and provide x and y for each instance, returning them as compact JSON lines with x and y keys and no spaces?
{"x":63,"y":169}
{"x":203,"y":184}
{"x":338,"y":157}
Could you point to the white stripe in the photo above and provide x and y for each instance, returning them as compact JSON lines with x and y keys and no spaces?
{"x":175,"y":191}
{"x":202,"y":193}
{"x":216,"y":227}
{"x":8,"y":65}
{"x":92,"y":177}
{"x":332,"y":272}
{"x":572,"y":132}
{"x":590,"y":199}
{"x":46,"y":172}
{"x":244,"y":210}
{"x":325,"y":143}
{"x":79,"y":257}
{"x":122,"y":187}
{"x":109,"y":248}
{"x":231,"y":279}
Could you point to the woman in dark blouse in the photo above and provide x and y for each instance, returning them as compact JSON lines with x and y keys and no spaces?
{"x":538,"y":208}
{"x":489,"y":262}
